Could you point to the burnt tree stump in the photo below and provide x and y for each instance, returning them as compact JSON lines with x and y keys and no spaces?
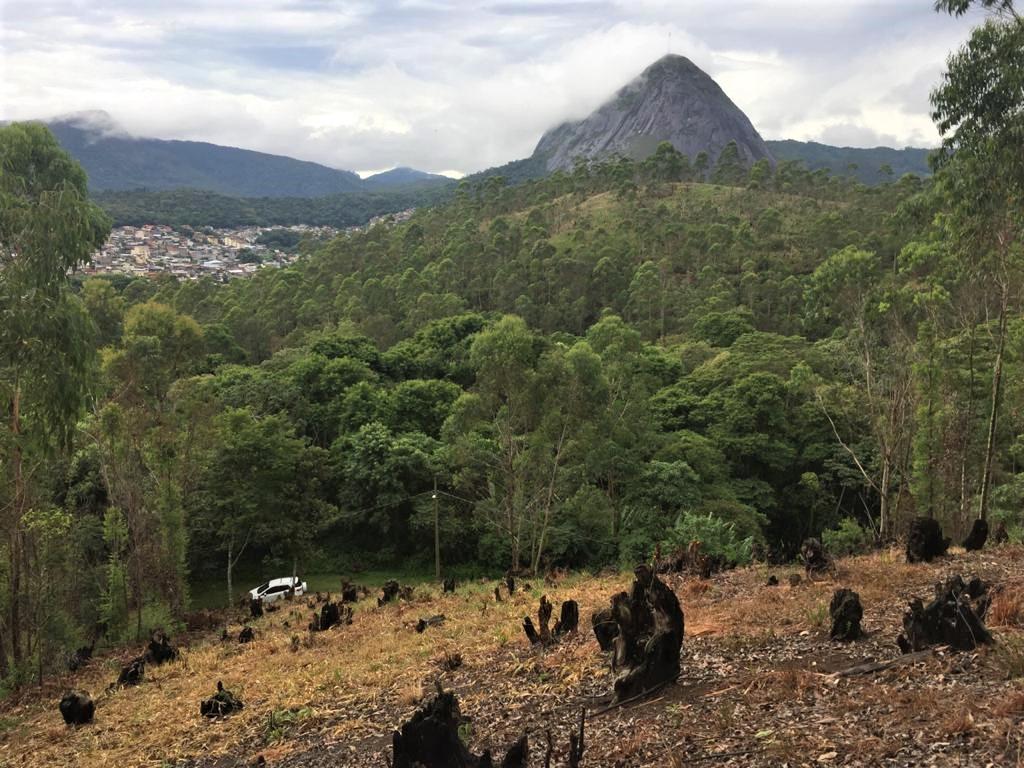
{"x":925,"y":541}
{"x":1000,"y":535}
{"x":977,"y":537}
{"x":133,"y":673}
{"x":160,"y":651}
{"x":432,"y":621}
{"x":816,"y":561}
{"x":77,"y":708}
{"x":605,"y":628}
{"x":247,"y":635}
{"x":568,"y":619}
{"x":510,"y":583}
{"x":952,"y":618}
{"x":221,"y":704}
{"x":349,"y":592}
{"x":389,"y":592}
{"x":256,"y":607}
{"x":430,"y":739}
{"x":448,"y":585}
{"x":846,"y":612}
{"x":648,"y":635}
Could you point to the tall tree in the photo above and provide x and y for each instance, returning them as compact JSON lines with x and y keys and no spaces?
{"x":48,"y":228}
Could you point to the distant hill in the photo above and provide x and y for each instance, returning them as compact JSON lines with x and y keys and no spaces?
{"x":405,"y":178}
{"x":838,"y":160}
{"x":118,"y":162}
{"x":672,"y":100}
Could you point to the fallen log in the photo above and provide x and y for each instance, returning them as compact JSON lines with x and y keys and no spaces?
{"x":880,"y":666}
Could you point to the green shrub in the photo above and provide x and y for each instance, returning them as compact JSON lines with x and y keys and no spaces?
{"x":717,"y":537}
{"x":848,"y":539}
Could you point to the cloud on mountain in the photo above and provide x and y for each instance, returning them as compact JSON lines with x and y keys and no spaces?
{"x":445,"y":85}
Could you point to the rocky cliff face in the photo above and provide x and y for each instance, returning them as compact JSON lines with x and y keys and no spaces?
{"x":672,"y":100}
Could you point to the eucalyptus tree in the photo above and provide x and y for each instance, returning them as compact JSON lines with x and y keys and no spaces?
{"x":48,"y":228}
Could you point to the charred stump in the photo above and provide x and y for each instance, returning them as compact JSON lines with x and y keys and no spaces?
{"x":952,"y":618}
{"x":331,"y":615}
{"x":256,"y":607}
{"x":448,"y":585}
{"x":816,"y":560}
{"x":247,"y":635}
{"x":79,"y":658}
{"x":389,"y":592}
{"x":221,"y":704}
{"x":510,"y":583}
{"x":133,"y":673}
{"x":542,"y":636}
{"x":1000,"y":535}
{"x":77,"y":708}
{"x":160,"y":651}
{"x":925,"y":541}
{"x":430,"y":739}
{"x":846,"y":612}
{"x":349,"y":592}
{"x":568,"y":619}
{"x":405,"y":593}
{"x":977,"y":537}
{"x":606,"y":629}
{"x":432,"y":621}
{"x":649,"y":627}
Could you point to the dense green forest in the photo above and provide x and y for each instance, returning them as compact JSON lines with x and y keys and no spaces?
{"x":569,"y":371}
{"x":198,"y":208}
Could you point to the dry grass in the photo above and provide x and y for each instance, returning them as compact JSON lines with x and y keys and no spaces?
{"x":356,"y":683}
{"x":1007,"y":607}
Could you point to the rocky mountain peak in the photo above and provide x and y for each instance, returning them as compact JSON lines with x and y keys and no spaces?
{"x":672,"y":100}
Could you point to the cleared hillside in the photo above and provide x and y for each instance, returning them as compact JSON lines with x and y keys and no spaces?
{"x":758,"y":686}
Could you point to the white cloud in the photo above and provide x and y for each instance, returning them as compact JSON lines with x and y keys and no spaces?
{"x":460,"y":85}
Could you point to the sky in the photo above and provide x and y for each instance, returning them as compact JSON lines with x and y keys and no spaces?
{"x":454,"y":87}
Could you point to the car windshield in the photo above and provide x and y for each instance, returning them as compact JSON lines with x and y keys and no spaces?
{"x":263,"y":587}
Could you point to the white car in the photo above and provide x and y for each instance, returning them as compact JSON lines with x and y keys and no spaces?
{"x":275,"y":589}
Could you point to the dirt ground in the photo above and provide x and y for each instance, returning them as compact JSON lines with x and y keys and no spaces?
{"x":759,"y":685}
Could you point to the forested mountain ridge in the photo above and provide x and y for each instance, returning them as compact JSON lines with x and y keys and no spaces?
{"x":868,"y":165}
{"x":118,"y":162}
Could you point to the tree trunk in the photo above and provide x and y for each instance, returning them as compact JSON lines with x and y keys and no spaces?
{"x":15,"y":533}
{"x":437,"y":535}
{"x":883,"y":495}
{"x":231,"y":594}
{"x":997,"y":376}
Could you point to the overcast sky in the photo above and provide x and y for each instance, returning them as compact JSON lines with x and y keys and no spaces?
{"x":452,"y":86}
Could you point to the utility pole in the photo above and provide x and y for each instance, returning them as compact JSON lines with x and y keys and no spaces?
{"x":437,"y":534}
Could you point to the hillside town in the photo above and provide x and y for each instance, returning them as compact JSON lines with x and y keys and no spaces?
{"x":186,"y":253}
{"x":220,"y":253}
